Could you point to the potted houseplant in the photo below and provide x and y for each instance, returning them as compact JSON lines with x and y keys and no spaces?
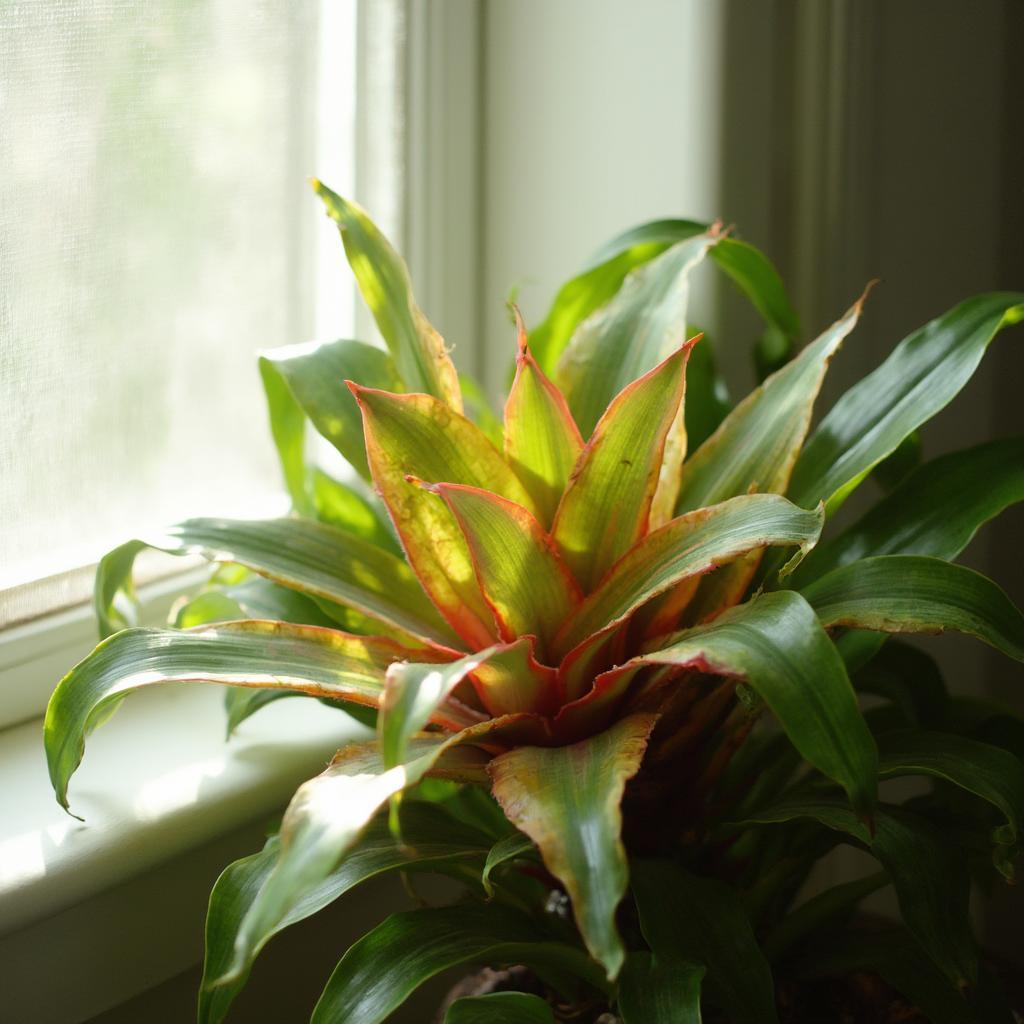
{"x":613,"y":654}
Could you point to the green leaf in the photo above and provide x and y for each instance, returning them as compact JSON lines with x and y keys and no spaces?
{"x":748,"y":268}
{"x":257,"y":598}
{"x":754,"y":275}
{"x":415,"y":694}
{"x":929,"y":875}
{"x":776,"y":644}
{"x":315,"y":375}
{"x":639,"y":328}
{"x":417,"y":349}
{"x":500,"y":1008}
{"x":432,"y":839}
{"x":910,"y":679}
{"x":316,"y":559}
{"x":323,"y":822}
{"x":511,"y":681}
{"x":899,"y":960}
{"x":478,"y":409}
{"x":382,"y":969}
{"x":684,"y":917}
{"x":599,"y":282}
{"x":522,"y":576}
{"x":657,"y":990}
{"x":270,"y":655}
{"x":935,"y":511}
{"x":915,"y":594}
{"x":993,"y":774}
{"x":566,"y":799}
{"x":921,"y":376}
{"x":340,"y":505}
{"x":687,"y":547}
{"x":415,"y":436}
{"x":542,"y":441}
{"x":512,"y":846}
{"x":758,"y":443}
{"x":707,"y":398}
{"x":606,"y":505}
{"x":823,"y":914}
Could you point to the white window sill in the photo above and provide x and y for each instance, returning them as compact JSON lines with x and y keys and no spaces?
{"x":157,"y":784}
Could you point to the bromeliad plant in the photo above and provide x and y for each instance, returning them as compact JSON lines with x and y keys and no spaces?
{"x":614,"y":674}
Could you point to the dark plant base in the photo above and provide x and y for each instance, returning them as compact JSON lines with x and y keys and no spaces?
{"x":859,"y":998}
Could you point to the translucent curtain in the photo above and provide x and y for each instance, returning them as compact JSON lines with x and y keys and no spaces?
{"x":156,"y":231}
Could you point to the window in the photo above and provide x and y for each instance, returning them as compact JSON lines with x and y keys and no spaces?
{"x":156,"y":231}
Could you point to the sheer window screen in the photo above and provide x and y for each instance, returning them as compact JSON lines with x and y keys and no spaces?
{"x":156,"y":231}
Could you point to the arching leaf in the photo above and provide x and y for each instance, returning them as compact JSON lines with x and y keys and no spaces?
{"x":989,"y":772}
{"x":316,"y":559}
{"x":388,"y":964}
{"x":689,"y":546}
{"x":658,"y":990}
{"x":915,"y":594}
{"x":929,"y":874}
{"x":924,"y":372}
{"x":417,"y":349}
{"x":266,"y":655}
{"x":757,"y":444}
{"x":314,"y":376}
{"x":566,"y":799}
{"x":685,"y":917}
{"x":432,"y":839}
{"x":777,"y":646}
{"x":635,"y":331}
{"x":935,"y":511}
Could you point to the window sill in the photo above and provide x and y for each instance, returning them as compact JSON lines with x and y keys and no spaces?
{"x":158,"y":784}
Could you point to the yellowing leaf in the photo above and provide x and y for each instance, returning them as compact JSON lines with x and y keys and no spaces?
{"x":542,"y":441}
{"x":418,"y":350}
{"x":523,"y":578}
{"x":416,"y":435}
{"x":274,"y":656}
{"x":777,"y":645}
{"x":566,"y":799}
{"x":511,"y":681}
{"x":606,"y":505}
{"x":690,"y":545}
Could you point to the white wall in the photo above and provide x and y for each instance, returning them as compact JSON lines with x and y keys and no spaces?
{"x":598,"y":114}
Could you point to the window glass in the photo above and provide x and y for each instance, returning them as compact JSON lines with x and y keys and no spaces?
{"x":156,"y":231}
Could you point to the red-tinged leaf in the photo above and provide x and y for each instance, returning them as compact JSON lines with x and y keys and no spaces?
{"x":542,"y":441}
{"x":607,"y":503}
{"x":689,"y":546}
{"x":776,"y":644}
{"x":523,"y":578}
{"x":418,"y":350}
{"x":416,"y":435}
{"x":329,"y":813}
{"x":274,"y":656}
{"x":566,"y":799}
{"x":328,"y":565}
{"x":512,"y":680}
{"x":416,"y":694}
